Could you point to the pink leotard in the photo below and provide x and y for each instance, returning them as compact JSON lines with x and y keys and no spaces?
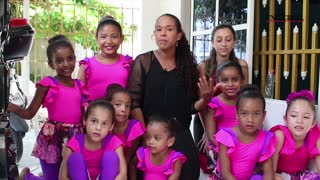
{"x":63,"y":103}
{"x":93,"y":158}
{"x":134,"y":130}
{"x":158,"y":172}
{"x":291,"y":159}
{"x":225,"y":115}
{"x":99,"y":76}
{"x":243,"y":157}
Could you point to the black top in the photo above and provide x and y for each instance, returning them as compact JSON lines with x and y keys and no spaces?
{"x":158,"y":91}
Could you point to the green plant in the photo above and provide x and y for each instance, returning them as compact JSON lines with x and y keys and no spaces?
{"x":77,"y":19}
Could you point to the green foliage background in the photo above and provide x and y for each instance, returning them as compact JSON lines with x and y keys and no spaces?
{"x":77,"y":19}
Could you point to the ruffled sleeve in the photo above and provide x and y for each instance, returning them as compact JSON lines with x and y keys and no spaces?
{"x":215,"y":105}
{"x":228,"y":138}
{"x":173,"y":158}
{"x":289,"y":145}
{"x":269,"y":146}
{"x":84,"y":92}
{"x":73,"y":144}
{"x":114,"y":143}
{"x":52,"y":84}
{"x":313,"y":137}
{"x":127,"y":62}
{"x":135,"y":130}
{"x":86,"y":63}
{"x":141,"y":153}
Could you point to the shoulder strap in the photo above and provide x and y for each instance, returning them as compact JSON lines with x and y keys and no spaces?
{"x":267,"y":139}
{"x":83,"y":97}
{"x":80,"y":139}
{"x":130,"y":125}
{"x":106,"y":141}
{"x":127,"y":57}
{"x":53,"y":80}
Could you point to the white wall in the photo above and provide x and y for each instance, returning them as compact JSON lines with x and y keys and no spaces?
{"x":275,"y":112}
{"x":152,"y":9}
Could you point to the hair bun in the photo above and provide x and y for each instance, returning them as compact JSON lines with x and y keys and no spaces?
{"x":59,"y":37}
{"x":249,"y":88}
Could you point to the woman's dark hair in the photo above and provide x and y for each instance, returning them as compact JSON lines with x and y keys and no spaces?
{"x":113,"y":89}
{"x":106,"y":20}
{"x":100,"y":103}
{"x":171,"y":124}
{"x":55,"y":43}
{"x":211,"y":62}
{"x":185,"y":62}
{"x":228,"y":64}
{"x":250,"y":91}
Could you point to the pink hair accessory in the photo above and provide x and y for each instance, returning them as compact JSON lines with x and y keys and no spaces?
{"x":301,"y":94}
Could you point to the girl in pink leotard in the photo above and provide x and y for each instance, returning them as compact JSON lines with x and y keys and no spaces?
{"x":108,"y":67}
{"x":97,"y":154}
{"x":157,"y":160}
{"x":243,"y":146}
{"x":130,"y":131}
{"x":64,"y":98}
{"x":221,"y":111}
{"x":299,"y":141}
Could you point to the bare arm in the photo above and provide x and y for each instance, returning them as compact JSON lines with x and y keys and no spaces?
{"x":177,"y":166}
{"x":211,"y":128}
{"x":133,"y":168}
{"x":268,"y":173}
{"x":275,"y":157}
{"x":63,"y":174}
{"x":225,"y":163}
{"x":138,"y":115}
{"x":130,"y":152}
{"x":123,"y":165}
{"x":28,"y":113}
{"x":202,"y":73}
{"x":82,"y":74}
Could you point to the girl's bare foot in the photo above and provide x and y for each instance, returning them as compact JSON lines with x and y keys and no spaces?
{"x":23,"y":173}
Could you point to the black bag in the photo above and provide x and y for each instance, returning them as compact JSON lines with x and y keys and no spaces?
{"x":20,"y":41}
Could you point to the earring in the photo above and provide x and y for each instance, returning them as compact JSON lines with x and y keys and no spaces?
{"x":177,"y":43}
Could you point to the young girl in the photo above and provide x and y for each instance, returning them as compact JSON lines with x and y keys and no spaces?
{"x":241,"y":147}
{"x":97,"y":151}
{"x":299,"y":141}
{"x":128,"y":130}
{"x":108,"y":66}
{"x":57,"y":94}
{"x":158,"y":160}
{"x":223,"y":40}
{"x":222,"y":108}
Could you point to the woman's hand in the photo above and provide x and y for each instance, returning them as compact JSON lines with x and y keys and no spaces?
{"x":202,"y":144}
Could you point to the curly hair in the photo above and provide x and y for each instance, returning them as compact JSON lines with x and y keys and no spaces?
{"x":185,"y":62}
{"x":211,"y":62}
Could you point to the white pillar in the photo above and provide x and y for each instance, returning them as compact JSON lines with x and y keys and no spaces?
{"x":250,"y":37}
{"x":25,"y":66}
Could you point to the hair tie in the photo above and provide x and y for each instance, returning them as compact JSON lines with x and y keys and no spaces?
{"x":301,"y":94}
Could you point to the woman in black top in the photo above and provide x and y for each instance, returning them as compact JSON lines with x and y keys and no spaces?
{"x":164,"y":82}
